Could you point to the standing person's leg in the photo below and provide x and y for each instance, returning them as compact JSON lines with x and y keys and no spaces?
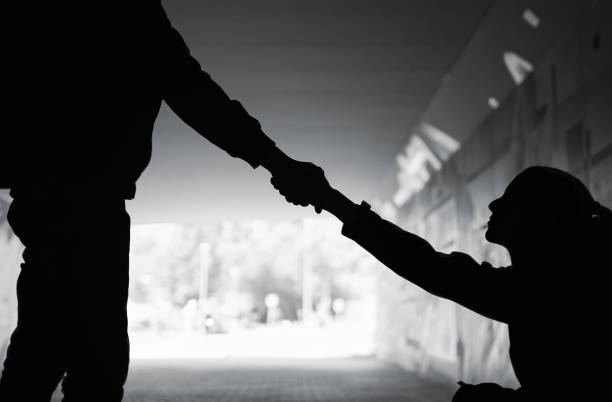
{"x":36,"y":359}
{"x":72,"y":297}
{"x":99,"y":349}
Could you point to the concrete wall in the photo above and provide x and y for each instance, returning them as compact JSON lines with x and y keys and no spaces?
{"x":559,"y":116}
{"x":10,"y":257}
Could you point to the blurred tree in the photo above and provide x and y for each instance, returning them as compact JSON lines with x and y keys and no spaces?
{"x":248,"y":260}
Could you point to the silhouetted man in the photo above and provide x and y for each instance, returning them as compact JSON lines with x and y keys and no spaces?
{"x":85,"y":81}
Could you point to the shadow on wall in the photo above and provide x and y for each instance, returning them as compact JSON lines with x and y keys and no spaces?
{"x":10,"y":257}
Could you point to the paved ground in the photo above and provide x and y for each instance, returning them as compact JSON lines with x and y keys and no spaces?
{"x":228,"y":380}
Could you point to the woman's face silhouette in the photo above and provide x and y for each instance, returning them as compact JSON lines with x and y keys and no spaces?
{"x":501,"y":223}
{"x":520,"y":215}
{"x":543,"y":210}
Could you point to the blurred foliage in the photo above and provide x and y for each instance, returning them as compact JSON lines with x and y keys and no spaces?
{"x":244,"y":262}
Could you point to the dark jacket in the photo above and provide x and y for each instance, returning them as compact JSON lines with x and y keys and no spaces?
{"x":85,"y":82}
{"x":554,"y":309}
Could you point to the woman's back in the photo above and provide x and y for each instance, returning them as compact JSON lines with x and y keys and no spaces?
{"x":558,"y":339}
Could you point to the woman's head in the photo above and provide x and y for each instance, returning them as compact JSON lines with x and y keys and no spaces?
{"x":542,"y":205}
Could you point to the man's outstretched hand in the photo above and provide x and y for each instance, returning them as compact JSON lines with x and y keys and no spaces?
{"x":302,"y":183}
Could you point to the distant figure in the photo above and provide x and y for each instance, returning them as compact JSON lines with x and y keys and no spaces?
{"x":554,"y":296}
{"x":82,"y":84}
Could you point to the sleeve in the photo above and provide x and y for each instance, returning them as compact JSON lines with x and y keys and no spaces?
{"x":193,"y":95}
{"x":455,"y":276}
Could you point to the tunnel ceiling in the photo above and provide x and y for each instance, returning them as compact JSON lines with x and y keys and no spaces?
{"x":336,"y":82}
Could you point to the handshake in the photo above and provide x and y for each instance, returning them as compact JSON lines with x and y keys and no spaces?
{"x":303,"y":183}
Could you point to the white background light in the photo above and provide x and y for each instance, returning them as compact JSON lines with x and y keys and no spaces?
{"x":493,"y":103}
{"x":531,"y":18}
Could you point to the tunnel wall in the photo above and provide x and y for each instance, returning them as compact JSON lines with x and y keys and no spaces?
{"x":10,"y":256}
{"x":559,"y":116}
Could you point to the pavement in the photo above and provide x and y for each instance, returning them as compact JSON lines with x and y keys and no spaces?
{"x":290,"y":380}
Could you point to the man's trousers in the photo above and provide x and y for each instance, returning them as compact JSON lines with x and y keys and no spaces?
{"x":72,"y":298}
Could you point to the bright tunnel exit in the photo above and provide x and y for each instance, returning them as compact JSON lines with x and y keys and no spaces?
{"x":282,"y":289}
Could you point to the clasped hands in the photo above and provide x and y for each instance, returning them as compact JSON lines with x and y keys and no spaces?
{"x":302,"y":183}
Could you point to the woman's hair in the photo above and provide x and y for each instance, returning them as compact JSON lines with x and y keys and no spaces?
{"x":583,"y":217}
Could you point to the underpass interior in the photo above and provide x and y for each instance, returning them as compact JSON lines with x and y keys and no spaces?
{"x":426,"y":110}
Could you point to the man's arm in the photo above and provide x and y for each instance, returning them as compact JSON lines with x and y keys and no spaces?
{"x":201,"y":103}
